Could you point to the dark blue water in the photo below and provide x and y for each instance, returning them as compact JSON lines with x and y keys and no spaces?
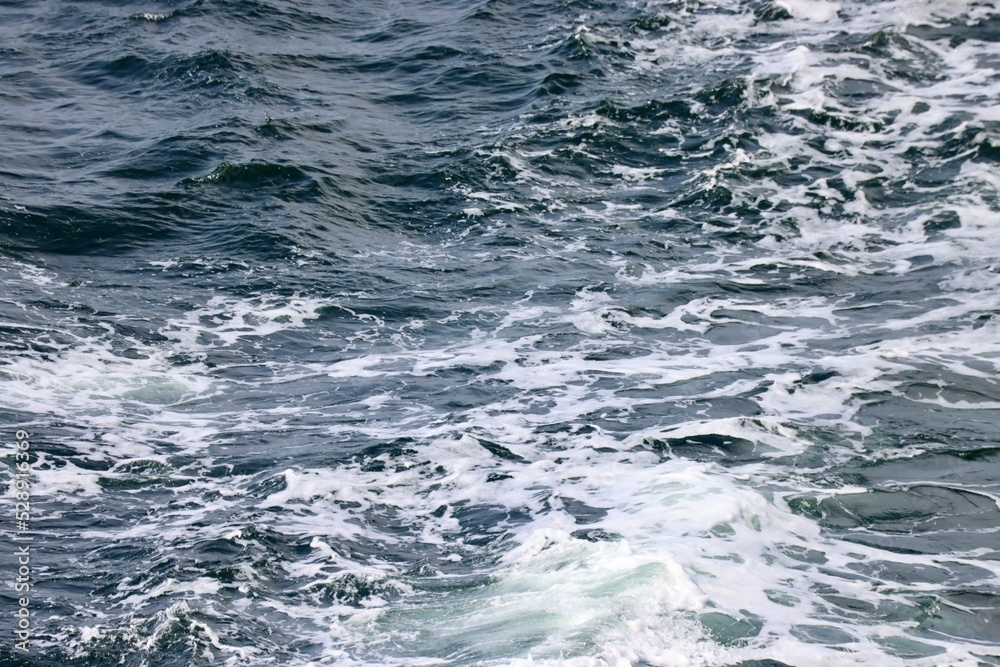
{"x":501,"y":333}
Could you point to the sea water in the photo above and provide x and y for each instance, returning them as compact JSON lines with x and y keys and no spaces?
{"x":502,"y":332}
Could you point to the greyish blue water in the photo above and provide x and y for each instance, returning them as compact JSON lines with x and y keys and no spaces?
{"x":503,"y":332}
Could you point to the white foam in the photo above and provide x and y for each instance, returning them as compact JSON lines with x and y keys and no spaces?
{"x":225,"y":320}
{"x":812,"y":10}
{"x":636,"y":174}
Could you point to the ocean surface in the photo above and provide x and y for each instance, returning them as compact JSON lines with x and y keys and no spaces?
{"x":582,"y":333}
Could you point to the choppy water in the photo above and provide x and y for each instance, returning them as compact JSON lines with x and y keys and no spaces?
{"x":503,"y":332}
